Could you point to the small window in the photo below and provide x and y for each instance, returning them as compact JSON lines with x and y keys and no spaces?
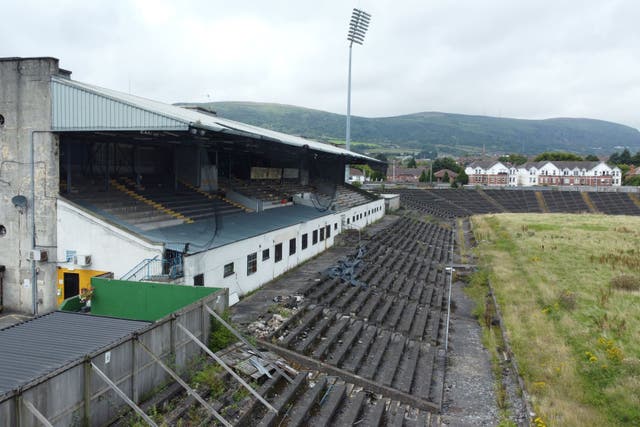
{"x":335,"y":226}
{"x":314,"y":238}
{"x":322,"y":234}
{"x":278,"y":252}
{"x":292,"y":246}
{"x":348,"y":221}
{"x":305,"y":241}
{"x":3,"y":231}
{"x":265,"y":254}
{"x":328,"y":229}
{"x":252,"y":263}
{"x":198,"y":279}
{"x":228,"y":270}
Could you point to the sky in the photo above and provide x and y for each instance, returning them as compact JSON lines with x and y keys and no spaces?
{"x":506,"y":58}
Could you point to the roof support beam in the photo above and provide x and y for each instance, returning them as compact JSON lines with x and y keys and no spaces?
{"x":123,"y":395}
{"x":227,"y":368}
{"x":184,"y":384}
{"x":34,"y":411}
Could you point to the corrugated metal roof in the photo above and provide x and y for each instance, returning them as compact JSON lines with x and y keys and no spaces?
{"x":80,"y":106}
{"x":34,"y":348}
{"x":77,"y":108}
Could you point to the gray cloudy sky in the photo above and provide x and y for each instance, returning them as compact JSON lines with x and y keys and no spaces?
{"x":510,"y":58}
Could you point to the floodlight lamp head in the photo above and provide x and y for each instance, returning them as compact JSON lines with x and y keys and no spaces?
{"x":358,"y":26}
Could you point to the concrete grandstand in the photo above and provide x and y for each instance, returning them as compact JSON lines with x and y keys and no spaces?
{"x":95,"y":181}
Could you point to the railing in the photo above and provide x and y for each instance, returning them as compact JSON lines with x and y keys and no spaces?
{"x":156,"y":269}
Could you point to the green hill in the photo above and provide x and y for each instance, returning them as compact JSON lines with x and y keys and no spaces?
{"x":455,"y":134}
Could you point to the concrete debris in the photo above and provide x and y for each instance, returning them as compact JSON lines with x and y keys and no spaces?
{"x":262,"y":328}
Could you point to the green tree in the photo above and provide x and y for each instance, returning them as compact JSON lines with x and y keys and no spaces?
{"x":462,"y":178}
{"x":382,"y":157}
{"x":423,"y":176}
{"x":633,"y":180}
{"x":592,"y":158}
{"x":516,"y":159}
{"x":635,"y":160}
{"x":446,"y":163}
{"x":411,"y":163}
{"x":445,"y":177}
{"x":557,"y":156}
{"x":623,"y":158}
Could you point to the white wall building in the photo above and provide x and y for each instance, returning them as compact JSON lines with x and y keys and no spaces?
{"x":569,"y":173}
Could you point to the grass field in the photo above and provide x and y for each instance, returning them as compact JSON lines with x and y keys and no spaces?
{"x":567,"y":287}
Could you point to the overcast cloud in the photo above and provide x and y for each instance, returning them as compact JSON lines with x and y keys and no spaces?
{"x":509,"y":58}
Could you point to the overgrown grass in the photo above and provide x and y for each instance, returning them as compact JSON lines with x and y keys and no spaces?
{"x":573,"y":326}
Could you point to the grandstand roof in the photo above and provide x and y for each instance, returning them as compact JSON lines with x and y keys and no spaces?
{"x":208,"y":234}
{"x":80,"y":106}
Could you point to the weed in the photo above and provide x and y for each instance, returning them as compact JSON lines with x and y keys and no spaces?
{"x":220,"y":337}
{"x":626,"y":282}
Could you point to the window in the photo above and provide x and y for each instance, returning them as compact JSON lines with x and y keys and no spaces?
{"x":292,"y":246}
{"x":265,"y":254}
{"x":322,"y":234}
{"x":335,"y":226}
{"x":252,"y":263}
{"x":198,"y":280}
{"x":328,"y":230}
{"x":348,"y":221}
{"x":278,"y":252}
{"x":305,"y":241}
{"x":314,"y":238}
{"x":228,"y":270}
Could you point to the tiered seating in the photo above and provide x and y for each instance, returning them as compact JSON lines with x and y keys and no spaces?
{"x":515,"y":200}
{"x":122,"y":207}
{"x":192,"y":204}
{"x":431,"y":203}
{"x":346,"y":198}
{"x":614,"y":203}
{"x":153,"y":205}
{"x":472,"y":201}
{"x":387,"y":328}
{"x":565,"y":202}
{"x":268,"y":190}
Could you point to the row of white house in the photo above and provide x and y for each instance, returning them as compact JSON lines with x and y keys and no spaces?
{"x":495,"y":173}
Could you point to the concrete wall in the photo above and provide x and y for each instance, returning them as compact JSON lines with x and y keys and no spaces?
{"x":25,"y":103}
{"x":60,"y":396}
{"x":211,"y":263}
{"x":111,"y":248}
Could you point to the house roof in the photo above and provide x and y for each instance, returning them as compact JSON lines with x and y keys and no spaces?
{"x":36,"y":347}
{"x":441,"y":173}
{"x":78,"y":106}
{"x":483,"y":164}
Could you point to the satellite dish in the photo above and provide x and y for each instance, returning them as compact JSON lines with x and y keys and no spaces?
{"x":19,"y":201}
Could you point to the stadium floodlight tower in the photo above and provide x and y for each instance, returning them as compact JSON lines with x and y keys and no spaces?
{"x":357,"y":29}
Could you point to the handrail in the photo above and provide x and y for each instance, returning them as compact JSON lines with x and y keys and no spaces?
{"x":136,"y":269}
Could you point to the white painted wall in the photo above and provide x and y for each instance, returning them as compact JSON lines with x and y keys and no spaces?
{"x":111,"y":248}
{"x":211,"y":263}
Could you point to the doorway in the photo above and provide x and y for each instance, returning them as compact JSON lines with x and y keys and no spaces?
{"x":71,"y":285}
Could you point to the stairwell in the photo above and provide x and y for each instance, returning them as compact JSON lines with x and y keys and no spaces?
{"x":634,"y":198}
{"x":541,"y":202}
{"x":589,"y":202}
{"x":491,"y":201}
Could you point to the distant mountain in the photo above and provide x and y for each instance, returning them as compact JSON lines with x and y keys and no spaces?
{"x":455,"y":134}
